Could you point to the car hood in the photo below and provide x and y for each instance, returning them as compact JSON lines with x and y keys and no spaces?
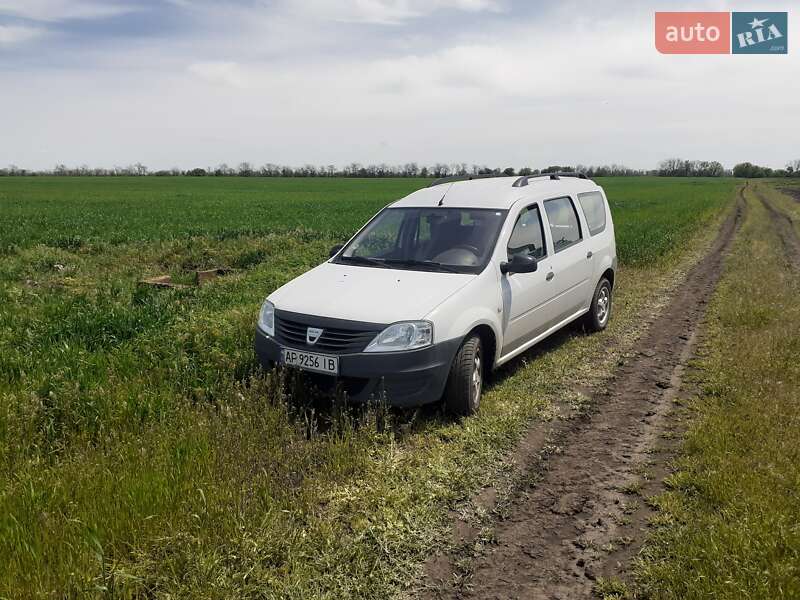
{"x":370,"y":294}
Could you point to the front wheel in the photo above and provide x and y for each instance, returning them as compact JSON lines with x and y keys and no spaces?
{"x":462,"y":394}
{"x":600,"y":310}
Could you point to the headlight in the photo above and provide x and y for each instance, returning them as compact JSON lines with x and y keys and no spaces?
{"x":403,"y":336}
{"x":266,"y":318}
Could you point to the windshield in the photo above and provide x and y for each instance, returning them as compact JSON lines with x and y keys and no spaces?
{"x":457,"y":240}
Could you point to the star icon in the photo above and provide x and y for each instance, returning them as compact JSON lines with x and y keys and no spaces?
{"x":757,"y":23}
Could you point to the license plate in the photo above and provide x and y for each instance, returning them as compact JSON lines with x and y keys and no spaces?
{"x":321,"y":363}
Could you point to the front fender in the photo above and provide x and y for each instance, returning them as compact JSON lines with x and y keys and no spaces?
{"x":477,"y":304}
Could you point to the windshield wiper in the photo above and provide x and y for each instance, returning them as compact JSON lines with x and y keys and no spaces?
{"x":363,"y":260}
{"x":410,"y":262}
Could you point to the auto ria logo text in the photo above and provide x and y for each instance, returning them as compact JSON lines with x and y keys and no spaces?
{"x":722,"y":32}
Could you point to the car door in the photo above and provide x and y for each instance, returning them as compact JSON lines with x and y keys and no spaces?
{"x":527,"y":296}
{"x":571,"y":261}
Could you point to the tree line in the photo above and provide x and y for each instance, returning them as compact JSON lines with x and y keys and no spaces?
{"x":246,"y":169}
{"x":676,"y":167}
{"x":672,"y":167}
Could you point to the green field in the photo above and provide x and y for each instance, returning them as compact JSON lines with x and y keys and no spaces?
{"x":652,"y":213}
{"x":143,"y":454}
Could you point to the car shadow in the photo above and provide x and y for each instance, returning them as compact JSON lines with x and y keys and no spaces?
{"x":324,"y":408}
{"x":549,"y":344}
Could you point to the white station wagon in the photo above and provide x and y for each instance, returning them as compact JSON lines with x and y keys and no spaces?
{"x":446,"y":284}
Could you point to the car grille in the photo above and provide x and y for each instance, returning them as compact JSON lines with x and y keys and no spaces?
{"x":338,"y":336}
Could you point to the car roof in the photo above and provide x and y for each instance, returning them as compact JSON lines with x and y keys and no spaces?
{"x":494,"y":192}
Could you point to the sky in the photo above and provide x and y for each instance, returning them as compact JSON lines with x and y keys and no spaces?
{"x":196,"y":83}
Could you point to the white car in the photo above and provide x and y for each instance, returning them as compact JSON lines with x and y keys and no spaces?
{"x":446,"y":284}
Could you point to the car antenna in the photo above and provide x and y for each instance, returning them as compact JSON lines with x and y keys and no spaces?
{"x":441,"y":201}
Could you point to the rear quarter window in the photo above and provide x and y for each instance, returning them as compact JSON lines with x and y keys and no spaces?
{"x":595,"y":211}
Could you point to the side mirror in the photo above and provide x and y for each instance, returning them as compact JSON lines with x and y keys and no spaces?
{"x":335,"y":250}
{"x":519,"y":263}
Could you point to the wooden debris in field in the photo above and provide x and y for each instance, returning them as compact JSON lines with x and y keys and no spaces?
{"x":203,"y":277}
{"x":162,"y":281}
{"x":200,"y":278}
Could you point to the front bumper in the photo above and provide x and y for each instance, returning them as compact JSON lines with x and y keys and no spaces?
{"x":407,"y":379}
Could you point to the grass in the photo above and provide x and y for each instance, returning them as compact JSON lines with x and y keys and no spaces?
{"x":611,"y":589}
{"x":728,"y":526}
{"x":143,"y":454}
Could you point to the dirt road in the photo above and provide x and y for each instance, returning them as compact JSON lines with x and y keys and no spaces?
{"x":784,"y":225}
{"x":578,"y":518}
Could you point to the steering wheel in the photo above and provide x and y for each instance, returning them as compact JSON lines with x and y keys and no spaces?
{"x":472,"y":249}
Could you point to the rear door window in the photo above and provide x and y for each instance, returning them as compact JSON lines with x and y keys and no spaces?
{"x":595,"y":211}
{"x":565,"y":228}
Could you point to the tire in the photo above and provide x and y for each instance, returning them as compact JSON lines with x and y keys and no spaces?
{"x":462,"y":394}
{"x":600,"y":310}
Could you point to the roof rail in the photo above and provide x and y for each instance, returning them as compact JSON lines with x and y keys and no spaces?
{"x":520,"y":182}
{"x":523,"y":181}
{"x":455,"y":178}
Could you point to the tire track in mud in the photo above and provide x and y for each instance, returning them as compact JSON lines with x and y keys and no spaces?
{"x":784,"y":225}
{"x":792,"y":192}
{"x":564,"y":528}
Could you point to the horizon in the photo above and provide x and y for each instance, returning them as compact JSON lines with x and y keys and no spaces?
{"x":675,"y":167}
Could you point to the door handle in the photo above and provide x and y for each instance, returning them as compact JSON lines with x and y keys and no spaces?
{"x":589,"y":254}
{"x":549,"y":276}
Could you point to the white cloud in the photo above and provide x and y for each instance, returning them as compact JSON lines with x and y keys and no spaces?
{"x":58,"y":10}
{"x":221,"y":72}
{"x":390,"y":12}
{"x":11,"y":35}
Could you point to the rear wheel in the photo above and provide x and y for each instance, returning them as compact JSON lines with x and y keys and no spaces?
{"x":600,"y":310}
{"x":462,"y":394}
